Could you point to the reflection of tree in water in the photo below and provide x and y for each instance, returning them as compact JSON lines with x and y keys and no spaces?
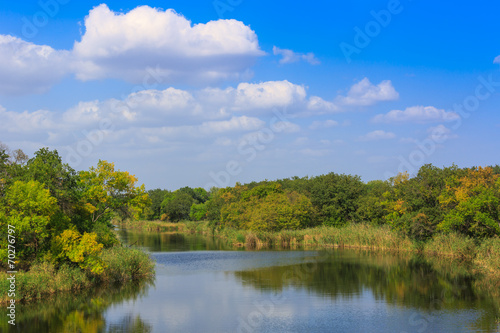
{"x":410,"y":282}
{"x":82,"y":313}
{"x":166,"y":241}
{"x":130,"y":324}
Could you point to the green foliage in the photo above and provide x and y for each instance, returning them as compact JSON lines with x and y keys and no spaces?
{"x":125,"y":264}
{"x":266,"y":207}
{"x":473,"y":204}
{"x":214,"y":206}
{"x":106,"y":190}
{"x":177,"y":206}
{"x":336,"y":198}
{"x":81,"y":249}
{"x":105,"y":235}
{"x":29,"y":207}
{"x":155,"y":210}
{"x":60,"y":179}
{"x":198,"y":212}
{"x":452,"y":244}
{"x":370,"y":204}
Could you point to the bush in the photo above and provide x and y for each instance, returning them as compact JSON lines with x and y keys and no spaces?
{"x":452,"y":244}
{"x":125,"y":264}
{"x":488,"y":255}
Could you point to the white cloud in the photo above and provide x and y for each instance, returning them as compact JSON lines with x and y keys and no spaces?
{"x":29,"y":68}
{"x":416,"y":114}
{"x":317,"y":103}
{"x":286,"y":127}
{"x":268,"y":94}
{"x":365,"y":93}
{"x":124,"y":46}
{"x":242,"y":123}
{"x":323,"y":124}
{"x":441,"y":133}
{"x":497,"y":60}
{"x":26,"y":122}
{"x":377,"y":135}
{"x":289,"y":56}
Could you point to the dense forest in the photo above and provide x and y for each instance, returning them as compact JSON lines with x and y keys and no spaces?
{"x":435,"y":200}
{"x":61,"y":216}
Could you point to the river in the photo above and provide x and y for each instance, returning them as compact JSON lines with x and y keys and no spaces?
{"x":202,"y":285}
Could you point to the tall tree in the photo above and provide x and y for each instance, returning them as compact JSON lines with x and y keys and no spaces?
{"x":336,"y":198}
{"x":106,"y":190}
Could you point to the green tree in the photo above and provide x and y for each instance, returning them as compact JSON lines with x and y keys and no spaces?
{"x":177,"y":206}
{"x":266,"y":207}
{"x":198,"y":212}
{"x":106,"y":190}
{"x":157,"y":196}
{"x":370,"y":205}
{"x":60,"y":179}
{"x":472,"y":203}
{"x":336,"y":198}
{"x":29,"y":208}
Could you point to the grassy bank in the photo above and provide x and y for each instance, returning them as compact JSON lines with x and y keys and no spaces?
{"x":44,"y":280}
{"x":484,"y":256}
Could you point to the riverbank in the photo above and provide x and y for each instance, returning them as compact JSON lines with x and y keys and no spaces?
{"x":122,"y":265}
{"x":483,"y":256}
{"x":151,"y":225}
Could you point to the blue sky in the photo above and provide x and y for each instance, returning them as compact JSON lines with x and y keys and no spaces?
{"x":204,"y":93}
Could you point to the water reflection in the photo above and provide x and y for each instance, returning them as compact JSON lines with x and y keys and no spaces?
{"x":405,"y":282}
{"x":171,"y":241}
{"x":81,"y":312}
{"x":201,"y":289}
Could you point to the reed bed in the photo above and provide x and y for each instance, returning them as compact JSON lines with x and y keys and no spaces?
{"x":122,"y":264}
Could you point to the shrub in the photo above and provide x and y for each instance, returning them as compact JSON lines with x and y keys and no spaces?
{"x":125,"y":264}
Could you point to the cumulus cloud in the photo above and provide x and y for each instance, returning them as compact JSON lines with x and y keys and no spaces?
{"x":323,"y":124}
{"x":242,"y":123}
{"x":167,"y":113}
{"x":124,"y":46}
{"x":268,"y":94}
{"x":147,"y":46}
{"x":377,"y":135}
{"x":289,"y":56}
{"x":26,"y":122}
{"x":29,"y":68}
{"x":317,"y":103}
{"x":365,"y":93}
{"x":497,"y":60}
{"x":416,"y":114}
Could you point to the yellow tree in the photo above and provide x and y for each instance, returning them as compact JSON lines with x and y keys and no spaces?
{"x":393,"y":202}
{"x":472,"y":203}
{"x":107,"y":190}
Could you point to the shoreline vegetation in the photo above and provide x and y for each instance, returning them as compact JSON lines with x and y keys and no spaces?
{"x":56,"y":227}
{"x":124,"y":265}
{"x":58,"y":222}
{"x":484,"y":256}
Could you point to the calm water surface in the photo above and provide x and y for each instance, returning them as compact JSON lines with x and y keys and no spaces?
{"x":202,"y":286}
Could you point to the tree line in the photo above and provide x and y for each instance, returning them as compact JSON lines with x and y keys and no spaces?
{"x":435,"y":200}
